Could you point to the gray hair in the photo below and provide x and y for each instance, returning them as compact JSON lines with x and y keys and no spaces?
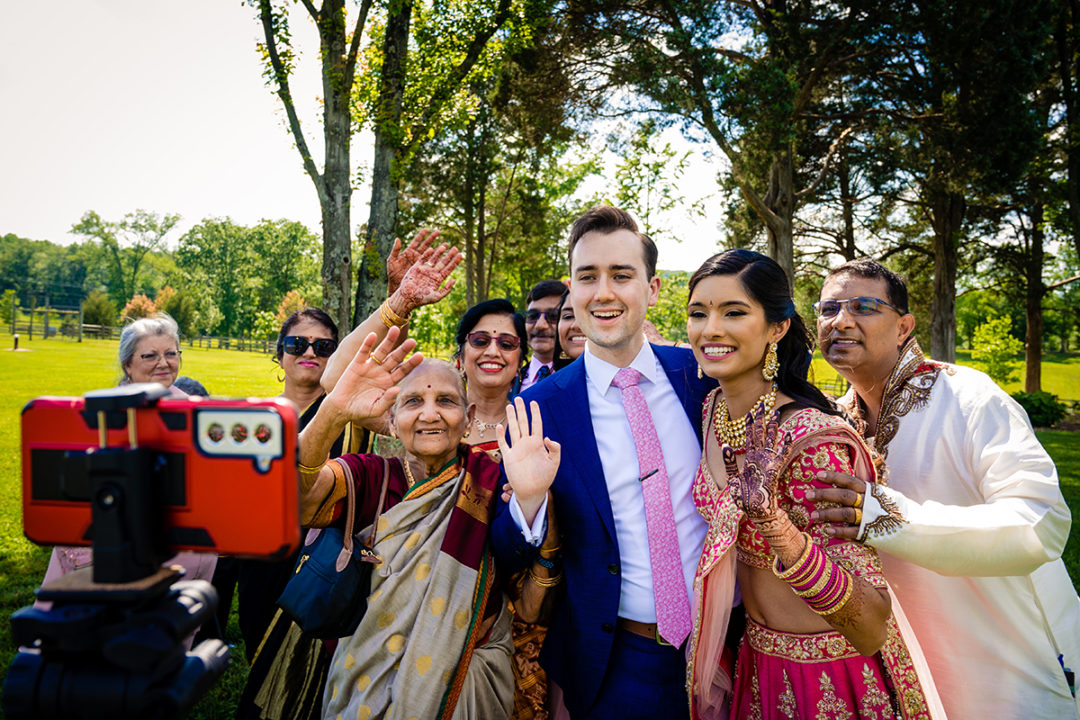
{"x":158,"y":324}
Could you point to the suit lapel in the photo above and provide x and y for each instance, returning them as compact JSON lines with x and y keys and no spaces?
{"x":569,"y":412}
{"x":685,"y":382}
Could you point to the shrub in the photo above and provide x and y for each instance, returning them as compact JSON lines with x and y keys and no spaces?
{"x":1044,"y":409}
{"x":180,"y":305}
{"x":292,"y":302}
{"x":994,"y":350}
{"x":98,"y":309}
{"x":139,"y":306}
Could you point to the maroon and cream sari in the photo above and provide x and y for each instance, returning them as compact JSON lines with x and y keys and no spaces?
{"x":420,"y":650}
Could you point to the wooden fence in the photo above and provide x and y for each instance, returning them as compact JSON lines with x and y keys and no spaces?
{"x":107,"y":332}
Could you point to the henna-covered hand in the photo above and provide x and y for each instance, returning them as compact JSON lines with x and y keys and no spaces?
{"x":401,"y":259}
{"x":427,"y":281}
{"x":754,"y":487}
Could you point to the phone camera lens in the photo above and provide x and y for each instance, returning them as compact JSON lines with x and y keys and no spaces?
{"x":215,"y":432}
{"x":239,"y":432}
{"x":263,"y":433}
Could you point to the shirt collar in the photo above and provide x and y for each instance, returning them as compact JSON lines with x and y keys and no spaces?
{"x":534,"y":366}
{"x":601,"y":373}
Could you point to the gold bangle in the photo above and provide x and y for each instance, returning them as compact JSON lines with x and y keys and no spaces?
{"x":545,"y":582}
{"x":308,"y":469}
{"x":550,"y":550}
{"x":391,"y":318}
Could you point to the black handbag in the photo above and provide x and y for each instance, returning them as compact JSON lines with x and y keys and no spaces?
{"x":328,"y":591}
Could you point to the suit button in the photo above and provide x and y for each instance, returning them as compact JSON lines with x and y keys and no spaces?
{"x":613,"y":568}
{"x":608,"y":628}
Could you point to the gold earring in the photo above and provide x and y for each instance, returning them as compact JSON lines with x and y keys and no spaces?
{"x":772,"y":363}
{"x":699,"y":373}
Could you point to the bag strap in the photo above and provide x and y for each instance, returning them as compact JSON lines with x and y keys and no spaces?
{"x":370,"y":542}
{"x":350,"y":505}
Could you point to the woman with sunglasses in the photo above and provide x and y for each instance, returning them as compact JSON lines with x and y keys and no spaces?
{"x":490,"y":355}
{"x":823,"y":636}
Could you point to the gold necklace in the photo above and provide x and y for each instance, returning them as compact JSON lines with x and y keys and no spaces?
{"x":408,"y":473}
{"x":732,"y":432}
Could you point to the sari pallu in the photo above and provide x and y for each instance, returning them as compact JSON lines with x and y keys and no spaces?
{"x":418,"y":651}
{"x":810,"y":441}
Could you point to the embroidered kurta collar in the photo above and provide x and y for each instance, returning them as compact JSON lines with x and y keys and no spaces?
{"x":907,"y":388}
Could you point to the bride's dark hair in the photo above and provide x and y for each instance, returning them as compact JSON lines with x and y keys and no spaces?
{"x":767,"y":283}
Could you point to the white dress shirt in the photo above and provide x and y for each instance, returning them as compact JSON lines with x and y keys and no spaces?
{"x":618,"y":457}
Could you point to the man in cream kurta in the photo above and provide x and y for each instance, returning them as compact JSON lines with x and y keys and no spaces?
{"x":972,"y":522}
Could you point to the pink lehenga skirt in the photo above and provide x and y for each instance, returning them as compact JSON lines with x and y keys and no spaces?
{"x":782,"y":676}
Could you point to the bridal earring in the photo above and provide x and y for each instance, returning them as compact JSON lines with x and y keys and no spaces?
{"x":772,"y":363}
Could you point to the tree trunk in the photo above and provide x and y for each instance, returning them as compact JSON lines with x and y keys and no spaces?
{"x":781,"y":201}
{"x":337,"y":131}
{"x":1066,"y":43}
{"x":947,"y":217}
{"x":847,"y":204}
{"x":385,"y":182}
{"x":1033,"y":309}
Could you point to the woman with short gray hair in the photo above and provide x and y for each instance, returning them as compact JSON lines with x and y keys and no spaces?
{"x":150,"y":351}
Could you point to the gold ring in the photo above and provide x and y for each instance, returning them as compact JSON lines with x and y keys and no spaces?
{"x":858,"y":517}
{"x":376,"y":360}
{"x":858,"y":500}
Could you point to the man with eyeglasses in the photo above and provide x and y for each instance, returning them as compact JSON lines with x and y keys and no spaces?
{"x":971,"y":520}
{"x":542,"y":323}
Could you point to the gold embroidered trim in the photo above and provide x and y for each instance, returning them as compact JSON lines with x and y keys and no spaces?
{"x":800,"y":648}
{"x":907,"y":389}
{"x":887,"y":524}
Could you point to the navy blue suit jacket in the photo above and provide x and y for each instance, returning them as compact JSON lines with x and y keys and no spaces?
{"x":579,"y":641}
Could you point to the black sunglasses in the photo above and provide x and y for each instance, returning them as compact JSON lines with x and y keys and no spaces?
{"x":296,"y":345}
{"x":552,"y":316}
{"x":855,"y":306}
{"x":481,"y":339}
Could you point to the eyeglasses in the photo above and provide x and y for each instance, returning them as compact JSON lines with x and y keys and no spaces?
{"x":552,"y":316}
{"x":296,"y":345}
{"x":152,"y":357}
{"x":855,"y":306}
{"x":505,"y":341}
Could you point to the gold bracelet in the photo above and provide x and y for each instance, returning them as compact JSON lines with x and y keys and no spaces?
{"x":545,"y":582}
{"x":308,"y":475}
{"x":307,"y":469}
{"x":391,"y":318}
{"x":551,"y":550}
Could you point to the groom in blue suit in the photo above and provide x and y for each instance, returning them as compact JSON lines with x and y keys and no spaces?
{"x":604,"y":649}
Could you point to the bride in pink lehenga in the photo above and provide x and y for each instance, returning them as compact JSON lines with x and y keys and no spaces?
{"x":824,"y":638}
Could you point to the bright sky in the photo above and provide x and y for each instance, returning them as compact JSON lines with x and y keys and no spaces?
{"x":114,"y":105}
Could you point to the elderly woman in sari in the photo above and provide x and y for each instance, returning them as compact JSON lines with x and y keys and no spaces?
{"x":435,"y":641}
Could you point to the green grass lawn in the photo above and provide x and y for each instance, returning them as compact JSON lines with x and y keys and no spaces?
{"x":63,"y":367}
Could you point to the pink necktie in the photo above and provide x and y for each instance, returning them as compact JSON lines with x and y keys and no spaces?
{"x":669,"y":586}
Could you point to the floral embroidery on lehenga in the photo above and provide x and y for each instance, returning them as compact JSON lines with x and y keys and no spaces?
{"x":874,"y":703}
{"x":830,"y":706}
{"x":787,"y":703}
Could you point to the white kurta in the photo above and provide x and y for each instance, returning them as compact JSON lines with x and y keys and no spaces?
{"x":976,"y":563}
